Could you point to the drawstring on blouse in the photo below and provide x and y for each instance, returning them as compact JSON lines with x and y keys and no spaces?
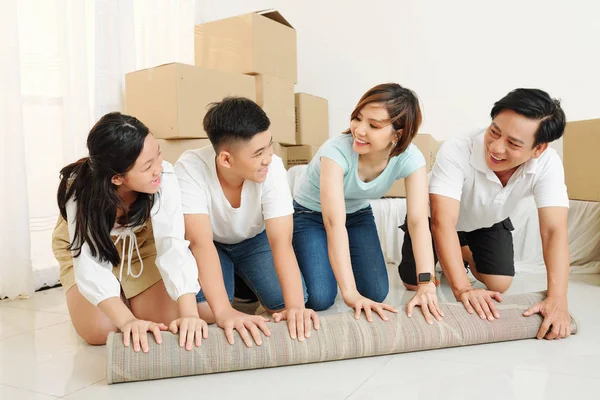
{"x":128,"y":233}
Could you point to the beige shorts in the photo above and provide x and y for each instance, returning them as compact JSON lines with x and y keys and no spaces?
{"x":131,"y":286}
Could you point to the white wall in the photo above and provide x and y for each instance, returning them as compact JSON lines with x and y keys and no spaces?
{"x":459,"y":56}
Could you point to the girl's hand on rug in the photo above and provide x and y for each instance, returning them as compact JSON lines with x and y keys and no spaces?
{"x":426,"y":298}
{"x":359,"y":303}
{"x":232,"y":319}
{"x":557,"y":320}
{"x":299,"y":320}
{"x":136,"y":330}
{"x":480,"y":301}
{"x":190,"y":328}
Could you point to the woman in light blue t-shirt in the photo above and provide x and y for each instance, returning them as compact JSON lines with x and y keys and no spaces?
{"x":335,"y":238}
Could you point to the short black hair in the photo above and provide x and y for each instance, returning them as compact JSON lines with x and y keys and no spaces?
{"x":535,"y":104}
{"x":234,"y":119}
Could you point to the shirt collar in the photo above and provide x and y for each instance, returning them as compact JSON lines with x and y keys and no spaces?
{"x":478,"y":156}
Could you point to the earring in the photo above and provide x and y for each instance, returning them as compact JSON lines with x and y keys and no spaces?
{"x":394,"y":143}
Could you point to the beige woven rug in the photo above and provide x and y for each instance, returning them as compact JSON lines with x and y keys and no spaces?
{"x":340,"y":337}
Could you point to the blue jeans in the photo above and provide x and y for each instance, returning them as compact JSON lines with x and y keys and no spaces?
{"x":368,"y":264}
{"x":252,"y":261}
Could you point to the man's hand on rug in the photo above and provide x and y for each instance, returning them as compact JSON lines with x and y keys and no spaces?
{"x":135,"y":331}
{"x":426,"y":298}
{"x":557,"y":320}
{"x":233,"y":319}
{"x":189,"y":328}
{"x":300,"y":321}
{"x":358,"y":302}
{"x":480,"y":301}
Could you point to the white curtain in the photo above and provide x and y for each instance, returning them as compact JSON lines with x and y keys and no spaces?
{"x":62,"y":66}
{"x":15,"y":266}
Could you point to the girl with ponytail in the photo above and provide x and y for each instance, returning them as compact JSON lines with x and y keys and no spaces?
{"x":124,"y":262}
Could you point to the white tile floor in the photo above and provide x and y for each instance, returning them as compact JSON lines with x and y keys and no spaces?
{"x":42,"y":358}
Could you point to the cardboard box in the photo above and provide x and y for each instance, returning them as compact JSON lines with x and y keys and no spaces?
{"x":261,"y":42}
{"x":429,"y":147}
{"x":581,"y":142}
{"x":281,"y":151}
{"x":171,"y":99}
{"x":300,"y":155}
{"x":276,"y":97}
{"x":171,"y":149}
{"x":312,"y":120}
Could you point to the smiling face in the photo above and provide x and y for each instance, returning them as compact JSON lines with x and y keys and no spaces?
{"x":250,"y":160}
{"x":144,"y":176}
{"x":371,"y":129}
{"x":509,"y":141}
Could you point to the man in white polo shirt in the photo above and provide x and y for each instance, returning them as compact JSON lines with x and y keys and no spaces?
{"x":476,"y":182}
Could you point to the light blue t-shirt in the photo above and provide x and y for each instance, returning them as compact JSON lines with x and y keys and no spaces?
{"x":356,"y":192}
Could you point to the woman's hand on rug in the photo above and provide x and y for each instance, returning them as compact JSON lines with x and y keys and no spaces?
{"x":426,"y":298}
{"x":557,"y":320}
{"x":189,"y":328}
{"x":300,"y":321}
{"x":233,"y":319}
{"x":359,"y":303}
{"x":480,"y":301}
{"x":135,"y":330}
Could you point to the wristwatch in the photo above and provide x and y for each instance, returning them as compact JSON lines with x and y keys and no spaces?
{"x":424,"y":277}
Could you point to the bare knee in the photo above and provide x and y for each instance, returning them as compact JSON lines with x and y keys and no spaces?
{"x":467,"y":256}
{"x":497,"y":283}
{"x":205,"y":313}
{"x":95,"y":336}
{"x":90,"y":323}
{"x":93,"y":327}
{"x":409,"y":286}
{"x":154,"y":304}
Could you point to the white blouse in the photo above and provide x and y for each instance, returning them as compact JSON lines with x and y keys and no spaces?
{"x":174,"y":259}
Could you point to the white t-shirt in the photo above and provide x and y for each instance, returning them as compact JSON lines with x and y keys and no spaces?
{"x":460,"y":172}
{"x":201,"y":193}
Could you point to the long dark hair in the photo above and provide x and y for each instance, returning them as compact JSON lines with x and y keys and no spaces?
{"x":403,"y":107}
{"x":114,"y":143}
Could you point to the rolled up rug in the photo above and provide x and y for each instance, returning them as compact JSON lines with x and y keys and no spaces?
{"x":341,"y":336}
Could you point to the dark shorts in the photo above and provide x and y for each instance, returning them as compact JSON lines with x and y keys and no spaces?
{"x":492,"y":250}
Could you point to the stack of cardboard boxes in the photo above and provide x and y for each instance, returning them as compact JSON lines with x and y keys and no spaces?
{"x":171,"y":100}
{"x":311,"y":126}
{"x":252,"y":56}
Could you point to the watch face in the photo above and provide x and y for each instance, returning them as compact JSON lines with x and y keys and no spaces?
{"x":424,"y":277}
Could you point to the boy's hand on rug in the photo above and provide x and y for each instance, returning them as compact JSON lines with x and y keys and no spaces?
{"x":299,"y":320}
{"x":557,"y":320}
{"x":426,"y":298}
{"x":190,"y":328}
{"x":135,"y":330}
{"x":359,"y":303}
{"x":233,"y":319}
{"x":480,"y":301}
